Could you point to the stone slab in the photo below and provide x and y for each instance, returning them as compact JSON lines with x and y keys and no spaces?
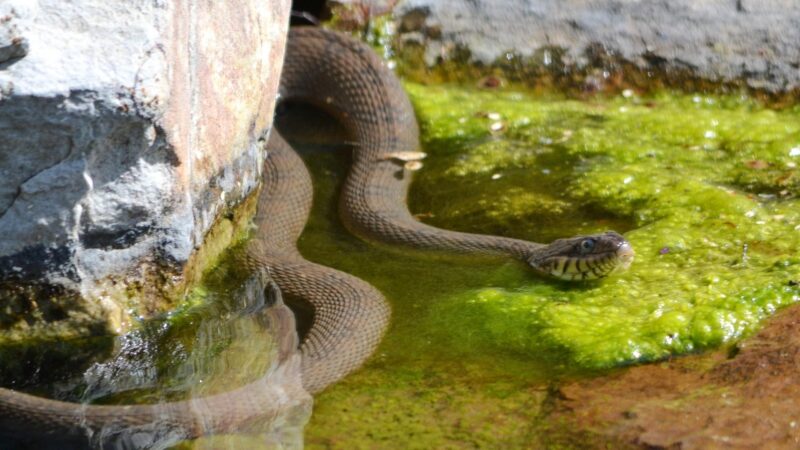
{"x":753,"y":41}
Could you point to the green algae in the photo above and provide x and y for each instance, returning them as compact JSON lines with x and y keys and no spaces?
{"x":704,"y":187}
{"x":426,"y":387}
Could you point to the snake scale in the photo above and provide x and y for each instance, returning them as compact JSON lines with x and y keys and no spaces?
{"x":344,"y":77}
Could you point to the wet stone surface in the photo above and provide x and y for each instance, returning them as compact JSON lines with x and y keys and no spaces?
{"x":743,"y":398}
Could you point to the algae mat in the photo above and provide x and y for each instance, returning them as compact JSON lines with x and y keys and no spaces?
{"x":704,"y":187}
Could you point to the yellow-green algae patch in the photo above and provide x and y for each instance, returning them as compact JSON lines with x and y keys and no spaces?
{"x":704,"y":187}
{"x":475,"y":341}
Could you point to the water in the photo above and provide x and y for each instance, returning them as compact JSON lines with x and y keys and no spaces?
{"x":427,"y":386}
{"x":476,"y":344}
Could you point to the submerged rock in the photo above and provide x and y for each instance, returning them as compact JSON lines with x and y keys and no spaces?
{"x":127,"y":130}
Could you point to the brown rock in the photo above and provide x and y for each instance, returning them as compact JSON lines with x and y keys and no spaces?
{"x":750,"y":400}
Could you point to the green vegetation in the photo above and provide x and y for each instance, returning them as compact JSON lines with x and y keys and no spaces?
{"x":704,"y":187}
{"x":707,"y":187}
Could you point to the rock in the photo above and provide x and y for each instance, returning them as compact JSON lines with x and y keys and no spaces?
{"x":739,"y":400}
{"x":128,"y":129}
{"x":754,"y":42}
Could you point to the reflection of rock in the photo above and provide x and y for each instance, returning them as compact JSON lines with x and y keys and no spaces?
{"x":243,"y":374}
{"x":126,"y":132}
{"x":718,"y":40}
{"x":747,"y":401}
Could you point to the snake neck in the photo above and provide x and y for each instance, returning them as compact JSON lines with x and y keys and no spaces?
{"x":373,"y":206}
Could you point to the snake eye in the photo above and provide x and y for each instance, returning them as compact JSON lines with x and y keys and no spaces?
{"x":587,"y":245}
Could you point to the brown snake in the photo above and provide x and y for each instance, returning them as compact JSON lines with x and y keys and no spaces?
{"x":345,"y":78}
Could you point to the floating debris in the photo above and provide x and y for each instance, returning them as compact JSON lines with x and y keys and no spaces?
{"x":497,"y":126}
{"x":413,"y":166}
{"x":425,"y":215}
{"x":565,"y":135}
{"x":757,"y":164}
{"x":491,"y":82}
{"x":404,"y":156}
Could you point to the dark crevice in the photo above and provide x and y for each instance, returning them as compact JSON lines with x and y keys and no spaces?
{"x":16,"y":197}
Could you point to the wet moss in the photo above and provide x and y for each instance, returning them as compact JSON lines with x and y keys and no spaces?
{"x":714,"y":257}
{"x":166,"y":288}
{"x":715,"y":233}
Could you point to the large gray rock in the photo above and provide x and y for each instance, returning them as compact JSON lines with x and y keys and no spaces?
{"x":755,"y":41}
{"x":127,"y":128}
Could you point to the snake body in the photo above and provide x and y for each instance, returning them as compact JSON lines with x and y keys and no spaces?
{"x":344,"y":77}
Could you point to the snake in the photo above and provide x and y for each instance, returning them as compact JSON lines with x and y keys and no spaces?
{"x":344,"y":77}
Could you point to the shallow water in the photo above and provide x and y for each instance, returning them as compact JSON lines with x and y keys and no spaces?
{"x":426,"y":387}
{"x":704,"y":187}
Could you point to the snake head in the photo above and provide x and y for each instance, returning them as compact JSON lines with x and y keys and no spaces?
{"x":584,"y":257}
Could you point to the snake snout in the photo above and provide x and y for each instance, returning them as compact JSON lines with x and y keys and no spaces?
{"x":585,"y":257}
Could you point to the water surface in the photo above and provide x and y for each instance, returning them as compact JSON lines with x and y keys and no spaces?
{"x":704,"y":187}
